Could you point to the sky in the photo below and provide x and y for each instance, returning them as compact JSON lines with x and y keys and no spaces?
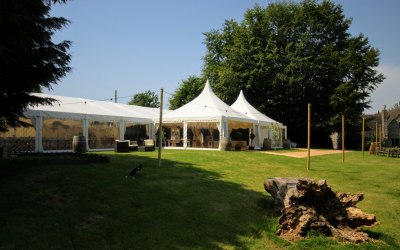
{"x":136,"y":45}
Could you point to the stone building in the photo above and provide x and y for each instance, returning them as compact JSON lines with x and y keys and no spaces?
{"x":388,"y":123}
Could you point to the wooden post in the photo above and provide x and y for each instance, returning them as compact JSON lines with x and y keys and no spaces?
{"x":342,"y":137}
{"x":382,"y":133}
{"x":160,"y":130}
{"x":380,"y":137}
{"x":376,"y":135}
{"x":308,"y":136}
{"x":362,"y":136}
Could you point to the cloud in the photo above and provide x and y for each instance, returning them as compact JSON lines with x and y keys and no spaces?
{"x":387,"y":93}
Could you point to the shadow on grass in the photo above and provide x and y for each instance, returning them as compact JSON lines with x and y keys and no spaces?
{"x":381,"y":237}
{"x":179,"y":206}
{"x":93,"y":206}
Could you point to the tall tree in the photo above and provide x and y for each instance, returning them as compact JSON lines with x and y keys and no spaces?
{"x":289,"y":54}
{"x":146,"y":99}
{"x":29,"y":59}
{"x":187,"y":90}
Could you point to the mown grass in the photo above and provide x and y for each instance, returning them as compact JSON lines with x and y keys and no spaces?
{"x":196,"y":200}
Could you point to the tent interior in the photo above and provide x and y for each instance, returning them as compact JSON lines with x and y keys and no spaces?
{"x":20,"y":138}
{"x":205,"y":134}
{"x":198,"y":135}
{"x":57,"y":134}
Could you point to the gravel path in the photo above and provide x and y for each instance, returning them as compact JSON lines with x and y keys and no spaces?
{"x":303,"y":152}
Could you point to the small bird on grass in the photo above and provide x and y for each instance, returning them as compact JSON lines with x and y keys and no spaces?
{"x":134,"y":170}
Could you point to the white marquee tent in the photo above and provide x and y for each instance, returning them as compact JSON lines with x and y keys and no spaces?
{"x":264,"y":127}
{"x":207,"y":108}
{"x":205,"y":122}
{"x":101,"y":122}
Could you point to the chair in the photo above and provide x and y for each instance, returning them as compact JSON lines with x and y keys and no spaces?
{"x":172,"y":143}
{"x":121,"y":146}
{"x":149,"y":145}
{"x":133,"y":146}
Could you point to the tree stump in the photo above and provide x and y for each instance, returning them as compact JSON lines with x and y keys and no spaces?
{"x":312,"y":205}
{"x":281,"y":189}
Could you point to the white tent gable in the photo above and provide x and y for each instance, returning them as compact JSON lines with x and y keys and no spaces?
{"x":205,"y":107}
{"x":244,"y":107}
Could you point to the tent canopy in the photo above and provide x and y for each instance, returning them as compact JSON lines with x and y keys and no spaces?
{"x":205,"y":107}
{"x":242,"y":106}
{"x":79,"y":109}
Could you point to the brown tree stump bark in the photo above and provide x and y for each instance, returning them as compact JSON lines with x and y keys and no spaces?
{"x":312,"y":205}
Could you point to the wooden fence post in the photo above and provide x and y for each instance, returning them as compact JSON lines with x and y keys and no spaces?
{"x":342,"y":137}
{"x":308,"y":136}
{"x":363,"y":135}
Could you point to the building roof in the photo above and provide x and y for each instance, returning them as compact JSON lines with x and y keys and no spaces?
{"x":391,"y":115}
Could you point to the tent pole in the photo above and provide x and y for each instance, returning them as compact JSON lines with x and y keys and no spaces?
{"x":260,"y":143}
{"x":185,"y":139}
{"x":38,"y":134}
{"x":160,"y":130}
{"x":121,"y":130}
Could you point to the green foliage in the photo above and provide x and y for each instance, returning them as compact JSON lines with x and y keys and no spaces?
{"x":29,"y":59}
{"x":214,"y":196}
{"x":189,"y":89}
{"x":289,"y":54}
{"x":275,"y":129}
{"x":396,"y":105}
{"x":146,"y":99}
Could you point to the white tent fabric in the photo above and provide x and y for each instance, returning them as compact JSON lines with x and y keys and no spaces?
{"x":85,"y":110}
{"x":79,"y":108}
{"x":242,"y":106}
{"x":262,"y":129}
{"x":205,"y":107}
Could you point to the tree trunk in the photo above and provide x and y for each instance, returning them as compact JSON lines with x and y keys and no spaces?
{"x":312,"y":205}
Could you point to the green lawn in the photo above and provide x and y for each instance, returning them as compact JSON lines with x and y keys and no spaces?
{"x":196,"y":200}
